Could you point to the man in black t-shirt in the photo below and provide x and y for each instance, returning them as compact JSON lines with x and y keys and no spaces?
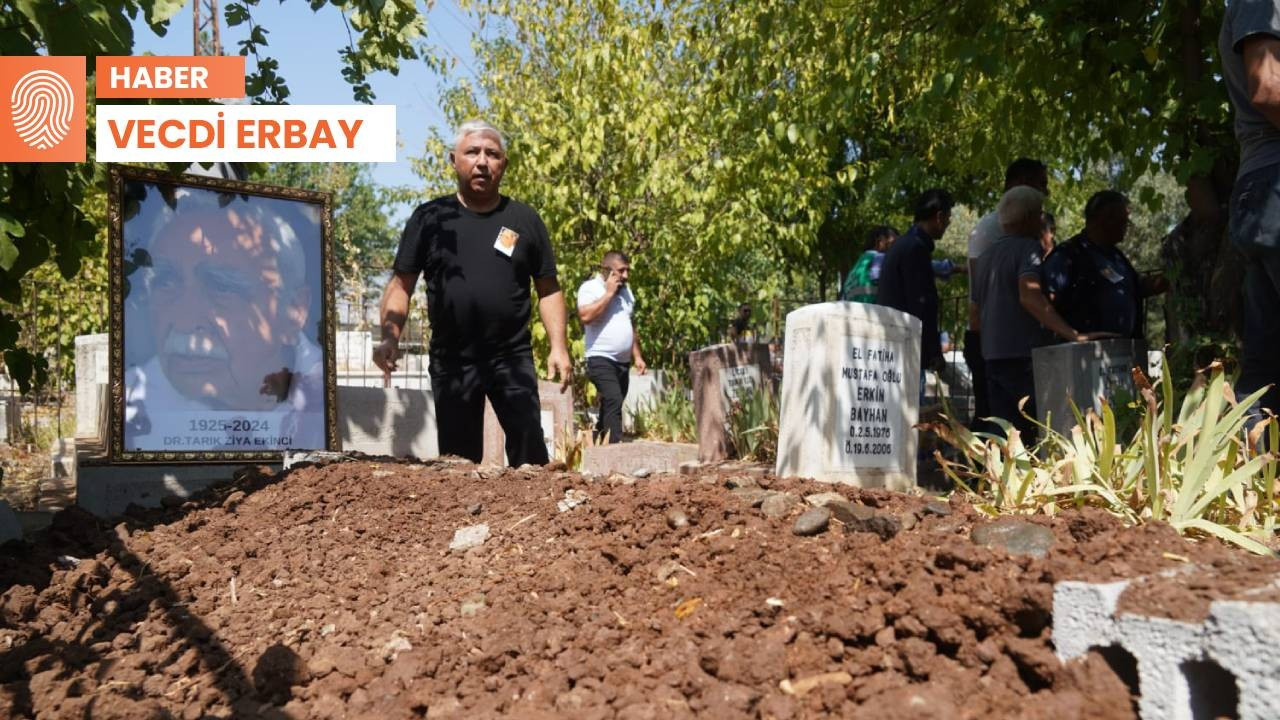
{"x":478,"y":251}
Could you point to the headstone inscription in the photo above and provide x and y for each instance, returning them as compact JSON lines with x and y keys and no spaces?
{"x":1082,"y":373}
{"x":722,"y":374}
{"x":850,"y":395}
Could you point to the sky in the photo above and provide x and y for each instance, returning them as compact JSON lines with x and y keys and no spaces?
{"x":306,"y":44}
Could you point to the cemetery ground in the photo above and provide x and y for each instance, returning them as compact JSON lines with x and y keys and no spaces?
{"x":388,"y":589}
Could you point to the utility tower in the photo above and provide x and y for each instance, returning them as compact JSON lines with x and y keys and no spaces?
{"x":204,"y":16}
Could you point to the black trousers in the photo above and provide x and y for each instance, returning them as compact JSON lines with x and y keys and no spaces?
{"x":511,"y":384}
{"x":611,"y":379}
{"x":978,"y":375}
{"x":1008,"y":381}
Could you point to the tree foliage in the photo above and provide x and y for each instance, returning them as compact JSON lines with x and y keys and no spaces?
{"x":362,"y":231}
{"x":739,"y":147}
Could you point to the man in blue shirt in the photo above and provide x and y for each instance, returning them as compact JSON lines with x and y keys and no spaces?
{"x":907,"y":275}
{"x":1090,"y":281}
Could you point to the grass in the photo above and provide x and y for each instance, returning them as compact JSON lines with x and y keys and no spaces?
{"x":753,"y":424}
{"x":1193,"y":469}
{"x":669,"y":417}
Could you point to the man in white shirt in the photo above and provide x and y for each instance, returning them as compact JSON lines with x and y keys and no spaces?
{"x":605,"y":304}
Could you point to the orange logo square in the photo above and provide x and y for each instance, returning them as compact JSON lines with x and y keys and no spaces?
{"x":42,"y":108}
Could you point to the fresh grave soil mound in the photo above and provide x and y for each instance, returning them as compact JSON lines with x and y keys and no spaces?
{"x":331,"y":591}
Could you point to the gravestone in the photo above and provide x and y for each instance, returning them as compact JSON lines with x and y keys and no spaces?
{"x":643,"y":391}
{"x":721,"y":374}
{"x":1082,"y":372}
{"x":556,"y":412}
{"x":850,"y":395}
{"x":628,"y":457}
{"x":91,"y":372}
{"x":387,"y":421}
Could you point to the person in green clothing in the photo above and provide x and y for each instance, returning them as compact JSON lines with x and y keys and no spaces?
{"x":861,"y":284}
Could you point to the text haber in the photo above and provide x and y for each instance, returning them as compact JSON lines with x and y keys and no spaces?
{"x":164,"y":77}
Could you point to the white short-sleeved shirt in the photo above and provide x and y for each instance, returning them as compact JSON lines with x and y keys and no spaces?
{"x":984,"y":233}
{"x":611,"y":335}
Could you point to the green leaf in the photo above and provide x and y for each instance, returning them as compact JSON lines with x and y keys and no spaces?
{"x":8,"y":252}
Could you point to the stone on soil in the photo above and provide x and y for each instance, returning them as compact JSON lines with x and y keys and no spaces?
{"x":860,"y":518}
{"x":752,"y":496}
{"x":677,"y":519}
{"x":468,"y":537}
{"x":820,"y":499}
{"x":812,"y":522}
{"x":778,"y":504}
{"x":1016,"y":537}
{"x":572,"y":499}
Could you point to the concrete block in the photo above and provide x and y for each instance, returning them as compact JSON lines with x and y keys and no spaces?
{"x":387,"y":421}
{"x":720,"y":374}
{"x":627,"y":457}
{"x":642,"y":392}
{"x":106,"y":490}
{"x":850,"y":395}
{"x":1083,"y":372}
{"x":92,"y":352}
{"x":1227,"y":665}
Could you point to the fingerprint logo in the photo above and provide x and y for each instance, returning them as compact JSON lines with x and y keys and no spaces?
{"x":42,"y":103}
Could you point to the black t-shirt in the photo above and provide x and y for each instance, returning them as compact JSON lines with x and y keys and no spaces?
{"x":478,"y":297}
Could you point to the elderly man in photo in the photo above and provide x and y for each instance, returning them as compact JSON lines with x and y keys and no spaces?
{"x":226,"y":303}
{"x":605,"y":305}
{"x":1013,"y":311}
{"x":478,"y":250}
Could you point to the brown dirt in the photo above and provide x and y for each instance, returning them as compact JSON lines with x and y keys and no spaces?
{"x":1186,"y":593}
{"x":330,"y":592}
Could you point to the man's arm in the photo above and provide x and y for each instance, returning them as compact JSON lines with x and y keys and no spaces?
{"x":1033,"y":301}
{"x":392,"y":313}
{"x":551,"y":310}
{"x":1262,"y":69}
{"x":1154,"y":284}
{"x":637,"y":360}
{"x":592,"y":311}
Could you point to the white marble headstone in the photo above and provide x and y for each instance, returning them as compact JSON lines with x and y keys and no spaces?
{"x":850,"y":395}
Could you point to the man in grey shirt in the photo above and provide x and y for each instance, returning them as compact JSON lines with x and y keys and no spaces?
{"x":1013,"y":310}
{"x":1249,"y":44}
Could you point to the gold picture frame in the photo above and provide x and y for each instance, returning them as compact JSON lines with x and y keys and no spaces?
{"x":228,"y":440}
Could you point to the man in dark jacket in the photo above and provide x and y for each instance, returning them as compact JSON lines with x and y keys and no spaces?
{"x":907,"y":277}
{"x":1090,"y":281}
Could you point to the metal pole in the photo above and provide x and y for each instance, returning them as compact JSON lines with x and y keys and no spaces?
{"x":195,"y":27}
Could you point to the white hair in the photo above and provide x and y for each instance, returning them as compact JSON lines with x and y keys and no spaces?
{"x":471,"y":127}
{"x":281,"y":237}
{"x":1019,"y":208}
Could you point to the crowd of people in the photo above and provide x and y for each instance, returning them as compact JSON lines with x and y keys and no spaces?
{"x":1024,"y":290}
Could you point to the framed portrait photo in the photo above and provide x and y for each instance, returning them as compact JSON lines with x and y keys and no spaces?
{"x":221,"y":345}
